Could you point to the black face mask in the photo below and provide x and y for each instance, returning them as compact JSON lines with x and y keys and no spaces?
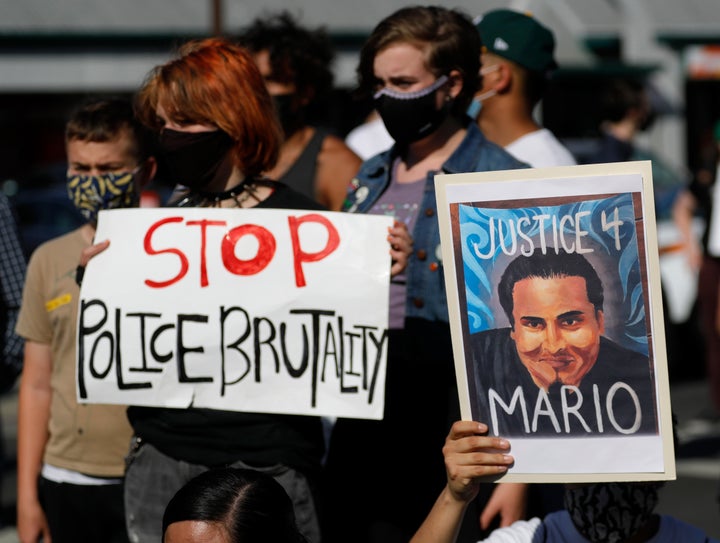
{"x":410,"y":116}
{"x":290,"y":118}
{"x":196,"y":159}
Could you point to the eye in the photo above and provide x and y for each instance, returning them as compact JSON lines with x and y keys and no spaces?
{"x":532,"y":323}
{"x":571,"y":321}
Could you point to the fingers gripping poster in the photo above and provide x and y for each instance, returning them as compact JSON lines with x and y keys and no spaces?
{"x":272,"y":311}
{"x":556,"y":314}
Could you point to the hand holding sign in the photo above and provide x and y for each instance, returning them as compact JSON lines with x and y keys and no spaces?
{"x":285,"y":312}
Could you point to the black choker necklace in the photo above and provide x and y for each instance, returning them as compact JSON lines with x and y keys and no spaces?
{"x":239,"y":194}
{"x":237,"y":190}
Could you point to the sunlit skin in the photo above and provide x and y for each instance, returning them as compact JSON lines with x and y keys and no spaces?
{"x":556,"y":329}
{"x":195,"y":531}
{"x":402,"y":67}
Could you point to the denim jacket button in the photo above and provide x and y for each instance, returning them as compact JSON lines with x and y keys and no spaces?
{"x":418,"y":302}
{"x":421,"y":254}
{"x":429,"y":212}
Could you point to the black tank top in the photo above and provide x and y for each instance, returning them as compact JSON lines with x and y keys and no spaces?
{"x":301,"y":175}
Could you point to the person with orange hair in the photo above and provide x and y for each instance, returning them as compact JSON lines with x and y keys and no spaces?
{"x":218,"y":132}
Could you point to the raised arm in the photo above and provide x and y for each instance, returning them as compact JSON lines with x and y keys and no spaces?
{"x":471,"y":457}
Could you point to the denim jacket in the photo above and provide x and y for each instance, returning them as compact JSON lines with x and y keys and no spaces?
{"x":426,"y":297}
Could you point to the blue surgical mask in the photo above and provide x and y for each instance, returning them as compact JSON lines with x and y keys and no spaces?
{"x":91,"y":193}
{"x":473,"y":110}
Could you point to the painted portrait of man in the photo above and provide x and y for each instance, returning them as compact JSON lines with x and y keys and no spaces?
{"x":553,"y":371}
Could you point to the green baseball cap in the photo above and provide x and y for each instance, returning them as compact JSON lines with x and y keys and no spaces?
{"x":518,"y":37}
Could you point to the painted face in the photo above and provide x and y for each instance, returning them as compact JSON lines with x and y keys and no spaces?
{"x":195,"y":531}
{"x":556,"y":329}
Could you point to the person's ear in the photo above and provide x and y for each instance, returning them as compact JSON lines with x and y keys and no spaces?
{"x":455,"y":83}
{"x":600,"y":316}
{"x":501,"y":79}
{"x":147,"y":172}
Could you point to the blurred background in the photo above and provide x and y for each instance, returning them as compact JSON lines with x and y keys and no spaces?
{"x":55,"y":53}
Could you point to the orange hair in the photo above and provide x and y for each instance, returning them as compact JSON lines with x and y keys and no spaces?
{"x":215,"y":82}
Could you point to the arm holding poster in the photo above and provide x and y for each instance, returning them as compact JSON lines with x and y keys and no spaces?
{"x":471,"y":457}
{"x":622,"y":511}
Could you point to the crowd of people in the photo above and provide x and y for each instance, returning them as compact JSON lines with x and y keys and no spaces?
{"x":227,"y":123}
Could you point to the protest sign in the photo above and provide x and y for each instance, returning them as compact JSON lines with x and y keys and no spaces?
{"x":272,"y":311}
{"x":556,"y":315}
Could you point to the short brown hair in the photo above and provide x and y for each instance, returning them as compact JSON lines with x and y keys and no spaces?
{"x":213,"y":81}
{"x":452,"y":42}
{"x":103,"y":119}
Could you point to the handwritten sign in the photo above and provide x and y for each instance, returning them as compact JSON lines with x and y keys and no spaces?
{"x":273,"y":311}
{"x":553,"y":285}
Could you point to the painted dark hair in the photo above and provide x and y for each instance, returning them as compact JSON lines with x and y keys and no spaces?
{"x":250,"y":506}
{"x":548,"y":266}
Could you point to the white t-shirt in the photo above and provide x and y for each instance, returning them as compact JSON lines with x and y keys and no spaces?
{"x":369,"y":139}
{"x":541,"y":148}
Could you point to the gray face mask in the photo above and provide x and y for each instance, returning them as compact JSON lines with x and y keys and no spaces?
{"x":611,"y":512}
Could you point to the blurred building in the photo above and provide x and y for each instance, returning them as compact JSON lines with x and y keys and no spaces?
{"x":54,"y":53}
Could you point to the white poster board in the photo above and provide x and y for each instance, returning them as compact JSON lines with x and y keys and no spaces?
{"x":556,"y":315}
{"x":272,"y":311}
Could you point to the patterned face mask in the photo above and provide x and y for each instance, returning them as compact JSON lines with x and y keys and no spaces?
{"x":611,"y":512}
{"x":91,"y":193}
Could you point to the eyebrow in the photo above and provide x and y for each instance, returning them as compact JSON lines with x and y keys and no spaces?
{"x":574,"y":313}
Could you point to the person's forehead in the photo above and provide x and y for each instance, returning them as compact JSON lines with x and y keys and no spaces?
{"x":401,"y":58}
{"x":119,"y":149}
{"x":195,"y":531}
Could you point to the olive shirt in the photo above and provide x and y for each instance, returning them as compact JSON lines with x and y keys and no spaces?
{"x":88,"y":438}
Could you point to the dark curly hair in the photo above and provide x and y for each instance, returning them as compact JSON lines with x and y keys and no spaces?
{"x":297,"y":55}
